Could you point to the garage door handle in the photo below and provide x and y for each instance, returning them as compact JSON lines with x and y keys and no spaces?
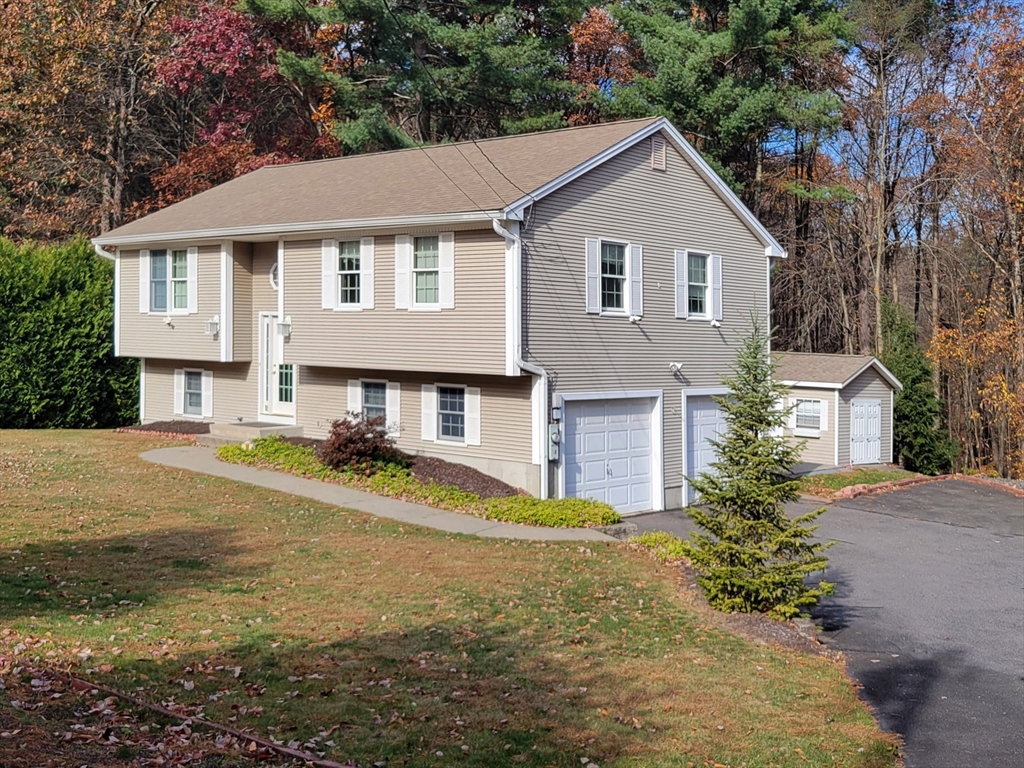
{"x":607,"y":469}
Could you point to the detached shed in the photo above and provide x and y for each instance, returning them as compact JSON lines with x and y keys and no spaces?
{"x":842,"y":407}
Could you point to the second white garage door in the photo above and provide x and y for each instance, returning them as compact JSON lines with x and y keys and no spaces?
{"x":608,"y":452}
{"x":704,"y":422}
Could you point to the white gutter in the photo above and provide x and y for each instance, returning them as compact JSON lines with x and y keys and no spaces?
{"x":273,"y":231}
{"x":101,"y":252}
{"x":531,"y":368}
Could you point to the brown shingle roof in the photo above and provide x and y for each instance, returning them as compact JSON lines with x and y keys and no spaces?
{"x":817,"y":368}
{"x":443,"y":179}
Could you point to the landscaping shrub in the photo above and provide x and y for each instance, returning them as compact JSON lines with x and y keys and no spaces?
{"x":553,"y":513}
{"x":664,"y":546}
{"x":358,"y":444}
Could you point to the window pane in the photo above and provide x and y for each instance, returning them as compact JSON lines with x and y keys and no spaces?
{"x":285,"y":383}
{"x":426,"y":288}
{"x":180,"y":294}
{"x":179,"y":264}
{"x":451,"y":406}
{"x":158,"y":296}
{"x":453,"y":425}
{"x":374,"y":400}
{"x":158,"y":265}
{"x":348,"y":292}
{"x":425,"y":253}
{"x":611,"y":292}
{"x":348,"y":256}
{"x":194,"y":393}
{"x":696,"y":294}
{"x":613,"y":259}
{"x":808,"y":414}
{"x":193,"y":381}
{"x":699,"y":269}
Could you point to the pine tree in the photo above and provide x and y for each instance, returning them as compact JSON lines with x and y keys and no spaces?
{"x":750,"y":556}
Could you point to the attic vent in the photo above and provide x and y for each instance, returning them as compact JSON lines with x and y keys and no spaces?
{"x":658,"y":152}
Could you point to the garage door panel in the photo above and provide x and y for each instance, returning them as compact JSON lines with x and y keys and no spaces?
{"x":608,"y":454}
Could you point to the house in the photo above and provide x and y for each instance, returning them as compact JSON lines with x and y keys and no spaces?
{"x":842,"y":408}
{"x":554,"y":309}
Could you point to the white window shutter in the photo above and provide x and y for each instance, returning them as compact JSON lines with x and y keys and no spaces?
{"x":428,"y":413}
{"x":179,"y":391}
{"x":823,"y":425}
{"x":593,"y":276}
{"x":792,"y":412}
{"x":716,"y":287}
{"x":144,"y":281}
{"x":355,"y":396}
{"x":682,"y":284}
{"x":328,"y":274}
{"x":636,"y":280}
{"x":207,"y":394}
{"x":403,"y":271}
{"x":446,"y":269}
{"x":472,"y":415}
{"x":394,"y":408}
{"x":365,"y":273}
{"x":193,"y":280}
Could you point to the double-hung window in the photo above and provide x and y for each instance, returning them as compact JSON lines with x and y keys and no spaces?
{"x":375,"y":399}
{"x":451,"y":413}
{"x":613,"y":277}
{"x":168,"y":280}
{"x":808,"y":414}
{"x":699,"y":286}
{"x":697,"y":291}
{"x":426,"y":270}
{"x":348,"y":273}
{"x":194,"y":393}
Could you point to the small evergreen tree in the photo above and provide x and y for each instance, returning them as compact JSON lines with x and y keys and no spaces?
{"x":750,"y":556}
{"x":920,"y":440}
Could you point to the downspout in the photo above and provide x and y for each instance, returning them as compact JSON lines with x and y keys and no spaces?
{"x":531,"y":368}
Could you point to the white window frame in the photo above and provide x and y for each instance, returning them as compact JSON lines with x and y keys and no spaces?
{"x":331,"y":272}
{"x":191,"y":281}
{"x":822,"y":407}
{"x":406,"y":271}
{"x":339,"y":273}
{"x":414,"y":271}
{"x":465,"y":408}
{"x":430,"y":415}
{"x":712,"y":288}
{"x":197,"y":376}
{"x":706,"y":285}
{"x":205,"y":393}
{"x":632,"y":285}
{"x":392,"y":400}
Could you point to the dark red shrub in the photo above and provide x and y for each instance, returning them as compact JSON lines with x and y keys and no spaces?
{"x":358,"y":443}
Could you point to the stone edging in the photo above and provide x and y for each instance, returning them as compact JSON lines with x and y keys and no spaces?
{"x":864,"y":489}
{"x":134,"y":431}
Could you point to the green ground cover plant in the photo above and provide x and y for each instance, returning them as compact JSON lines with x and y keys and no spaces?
{"x":375,"y":642}
{"x":826,"y":485}
{"x":398,"y":482}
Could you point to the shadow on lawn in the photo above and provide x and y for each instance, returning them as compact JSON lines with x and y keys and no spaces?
{"x":105,"y":574}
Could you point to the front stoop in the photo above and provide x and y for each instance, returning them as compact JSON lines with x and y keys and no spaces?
{"x":240,"y":432}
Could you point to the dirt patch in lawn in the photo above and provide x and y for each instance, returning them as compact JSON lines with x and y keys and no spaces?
{"x":175,"y":427}
{"x":430,"y":468}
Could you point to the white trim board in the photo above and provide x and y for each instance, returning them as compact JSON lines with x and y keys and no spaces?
{"x":117,"y":304}
{"x":227,"y":296}
{"x":657,"y":436}
{"x":687,"y":393}
{"x":142,"y":390}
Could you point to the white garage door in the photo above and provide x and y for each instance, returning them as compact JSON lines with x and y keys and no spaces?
{"x":704,"y":422}
{"x":608,"y":452}
{"x":865,"y":432}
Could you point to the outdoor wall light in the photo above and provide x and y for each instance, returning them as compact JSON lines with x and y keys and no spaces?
{"x":213,"y":325}
{"x":675,"y":367}
{"x":284,"y":328}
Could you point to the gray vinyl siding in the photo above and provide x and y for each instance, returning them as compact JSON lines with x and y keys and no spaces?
{"x":868,"y":386}
{"x":505,"y":449}
{"x":467,"y":339}
{"x":625,"y":200}
{"x":147,"y":335}
{"x":242,"y":324}
{"x":821,"y":449}
{"x":234,"y":390}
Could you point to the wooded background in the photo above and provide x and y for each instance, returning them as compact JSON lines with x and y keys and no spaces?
{"x":882,"y":141}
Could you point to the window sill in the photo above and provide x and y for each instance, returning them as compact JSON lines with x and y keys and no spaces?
{"x":425,"y":308}
{"x":804,"y":432}
{"x":613,"y":313}
{"x":172,"y":313}
{"x":348,"y":308}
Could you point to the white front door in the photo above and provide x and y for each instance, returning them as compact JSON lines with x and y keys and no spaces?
{"x":865,"y":432}
{"x":704,"y":422}
{"x":608,"y":452}
{"x":277,"y":379}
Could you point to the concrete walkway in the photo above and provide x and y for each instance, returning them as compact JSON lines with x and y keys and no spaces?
{"x":205,"y":460}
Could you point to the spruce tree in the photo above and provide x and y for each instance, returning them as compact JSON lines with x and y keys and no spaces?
{"x":750,"y":556}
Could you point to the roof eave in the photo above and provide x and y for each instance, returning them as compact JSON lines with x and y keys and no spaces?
{"x":882,"y":370}
{"x":812,"y":384}
{"x":298,"y":228}
{"x":773,"y":249}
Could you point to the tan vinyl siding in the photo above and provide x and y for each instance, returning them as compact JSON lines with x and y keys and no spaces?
{"x":234,"y":390}
{"x":821,"y":449}
{"x":468,"y":339}
{"x":625,"y":200}
{"x":147,"y":335}
{"x":242,"y":325}
{"x":868,"y":386}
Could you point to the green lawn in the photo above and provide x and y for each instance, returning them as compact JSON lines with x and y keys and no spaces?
{"x":826,"y":485}
{"x":404,"y":646}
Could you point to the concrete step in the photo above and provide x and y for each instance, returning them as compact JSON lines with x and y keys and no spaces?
{"x":210,"y":441}
{"x":250,"y":430}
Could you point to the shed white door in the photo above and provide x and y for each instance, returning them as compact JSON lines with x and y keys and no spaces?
{"x":704,"y":422}
{"x":865,"y":431}
{"x":608,"y":452}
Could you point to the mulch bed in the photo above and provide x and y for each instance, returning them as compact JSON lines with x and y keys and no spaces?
{"x":182,"y":427}
{"x":430,"y":468}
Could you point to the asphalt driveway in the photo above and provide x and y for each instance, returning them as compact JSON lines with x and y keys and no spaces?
{"x":929,"y":609}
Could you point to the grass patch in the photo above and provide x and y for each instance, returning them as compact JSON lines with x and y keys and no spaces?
{"x":399,"y":483}
{"x":826,"y":485}
{"x":387,"y":643}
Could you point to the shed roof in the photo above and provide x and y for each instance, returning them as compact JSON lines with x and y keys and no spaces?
{"x":830,"y":371}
